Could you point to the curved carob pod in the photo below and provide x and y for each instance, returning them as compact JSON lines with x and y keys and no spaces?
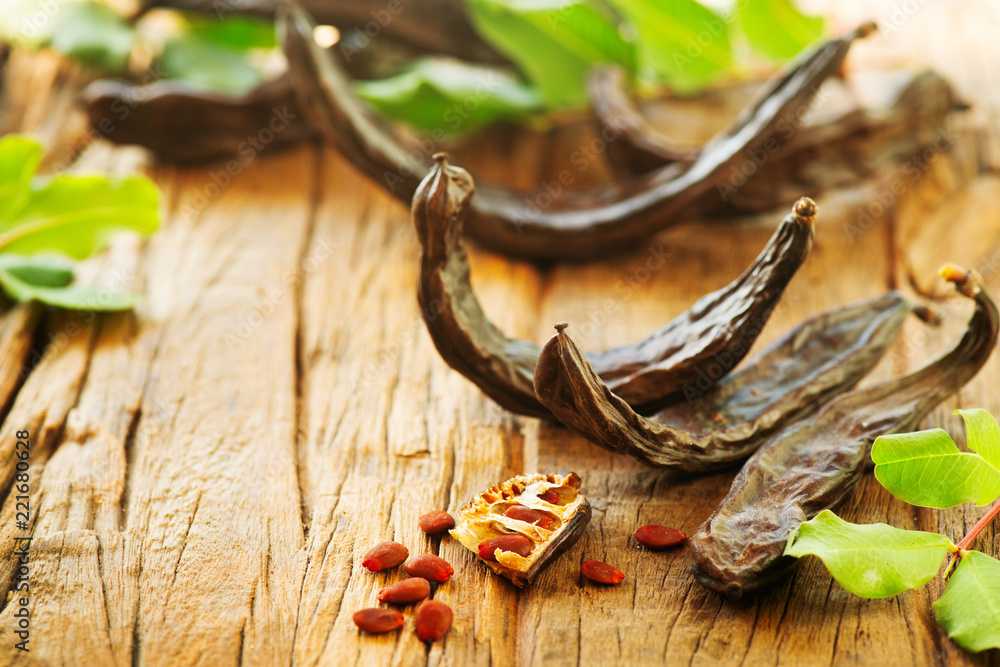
{"x":647,"y":374}
{"x":814,"y":464}
{"x":581,"y":224}
{"x":898,"y":129}
{"x":189,"y":125}
{"x":820,"y":358}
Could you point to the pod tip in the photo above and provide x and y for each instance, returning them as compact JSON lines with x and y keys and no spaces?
{"x":560,"y":326}
{"x":440,"y":157}
{"x":806,"y":209}
{"x":968,"y":282}
{"x":953,"y":273}
{"x":866,"y":28}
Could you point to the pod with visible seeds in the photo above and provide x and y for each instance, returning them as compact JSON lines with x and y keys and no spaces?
{"x":378,"y":620}
{"x":384,"y":556}
{"x":513,"y":547}
{"x":406,"y":591}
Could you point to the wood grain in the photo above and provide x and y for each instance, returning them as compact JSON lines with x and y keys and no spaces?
{"x":207,"y":471}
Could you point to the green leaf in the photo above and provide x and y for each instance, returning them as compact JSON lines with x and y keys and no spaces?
{"x":94,"y":34}
{"x":927,"y":469}
{"x":207,"y":65}
{"x":40,"y":271}
{"x":19,"y":160}
{"x":776,"y":28}
{"x":449,"y":95}
{"x":71,"y":298}
{"x":682,"y":42}
{"x":983,"y":434}
{"x":554,"y":42}
{"x":871,"y":560}
{"x":969,"y":609}
{"x":232,"y":31}
{"x":75,"y":216}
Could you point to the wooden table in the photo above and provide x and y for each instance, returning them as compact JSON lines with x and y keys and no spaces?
{"x":208,"y":470}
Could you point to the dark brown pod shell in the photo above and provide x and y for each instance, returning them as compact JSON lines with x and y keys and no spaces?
{"x":484,"y":527}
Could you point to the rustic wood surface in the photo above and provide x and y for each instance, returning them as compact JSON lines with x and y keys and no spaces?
{"x":207,"y":471}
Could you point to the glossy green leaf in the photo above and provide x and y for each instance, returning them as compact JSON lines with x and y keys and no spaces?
{"x":93,"y":33}
{"x":71,"y":298}
{"x":448,"y":95}
{"x":681,"y":41}
{"x":44,"y":224}
{"x":554,"y":42}
{"x":927,"y":469}
{"x":19,"y":160}
{"x":969,"y":609}
{"x":207,"y":65}
{"x":983,"y":434}
{"x":232,"y":31}
{"x":871,"y":560}
{"x":75,"y":216}
{"x":40,"y":270}
{"x":776,"y":28}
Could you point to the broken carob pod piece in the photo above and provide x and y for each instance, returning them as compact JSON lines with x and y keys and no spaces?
{"x":515,"y":548}
{"x":581,"y":224}
{"x":814,"y":464}
{"x":721,"y":425}
{"x":186,"y":124}
{"x":649,"y":373}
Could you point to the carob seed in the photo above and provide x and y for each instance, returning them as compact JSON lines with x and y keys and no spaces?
{"x":430,"y":567}
{"x":406,"y":591}
{"x":384,"y":556}
{"x":377,"y":620}
{"x":659,"y":537}
{"x":518,"y":544}
{"x":550,"y":496}
{"x":436,"y":522}
{"x":528,"y":515}
{"x":433,"y":619}
{"x":602,"y":573}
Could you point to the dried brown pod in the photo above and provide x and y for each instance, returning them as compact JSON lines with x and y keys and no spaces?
{"x":582,"y":224}
{"x":483,"y":519}
{"x":649,"y":373}
{"x":814,"y":464}
{"x":836,"y":144}
{"x":823,"y":356}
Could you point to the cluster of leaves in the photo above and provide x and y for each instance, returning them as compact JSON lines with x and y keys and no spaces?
{"x":553,"y":44}
{"x":216,"y":54}
{"x":46,"y":224}
{"x":877,"y":560}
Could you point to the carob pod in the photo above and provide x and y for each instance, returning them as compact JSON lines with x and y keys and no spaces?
{"x":649,"y":373}
{"x":188,"y":125}
{"x":484,"y":519}
{"x":823,"y":356}
{"x":814,"y":464}
{"x":582,"y":224}
{"x":827,"y":151}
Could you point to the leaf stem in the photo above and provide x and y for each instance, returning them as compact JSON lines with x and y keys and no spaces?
{"x":971,"y":536}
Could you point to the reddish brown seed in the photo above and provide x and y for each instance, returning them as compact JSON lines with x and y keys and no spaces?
{"x":518,"y":544}
{"x":406,"y":591}
{"x":433,"y":619}
{"x":528,"y":515}
{"x":430,"y":567}
{"x":385,"y":555}
{"x":437,"y":522}
{"x":602,"y":573}
{"x":377,"y":620}
{"x":659,"y":537}
{"x":550,"y":496}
